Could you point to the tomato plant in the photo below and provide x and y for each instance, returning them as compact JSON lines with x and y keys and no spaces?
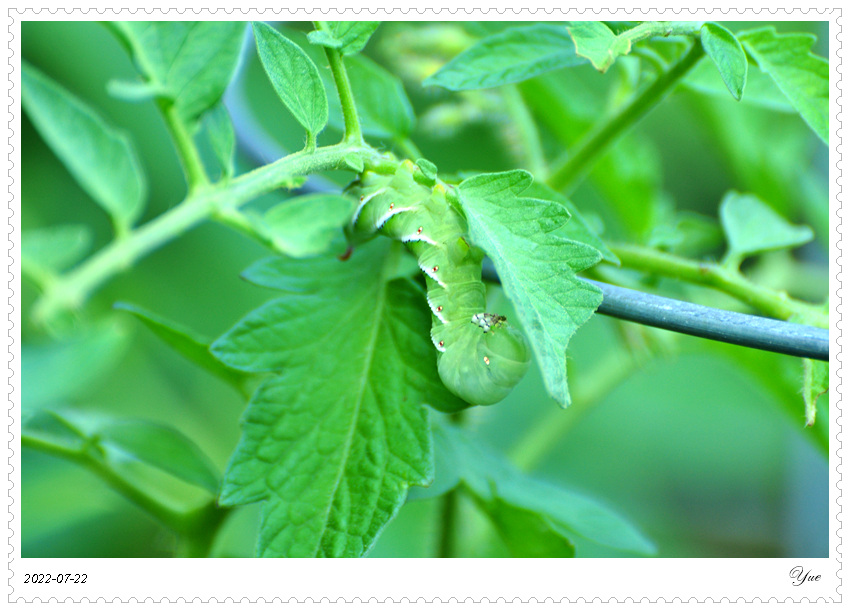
{"x":317,"y":289}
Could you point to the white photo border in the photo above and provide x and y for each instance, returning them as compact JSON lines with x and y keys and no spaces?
{"x":479,"y":580}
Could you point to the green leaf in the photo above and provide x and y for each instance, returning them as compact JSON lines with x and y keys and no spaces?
{"x":334,"y":440}
{"x":491,"y":478}
{"x":537,"y":267}
{"x":64,"y":370}
{"x":354,"y":162}
{"x":382,"y":104}
{"x":428,"y":169}
{"x":761,"y":90}
{"x":815,"y":383}
{"x":163,"y":448}
{"x":800,"y":75}
{"x":53,"y":427}
{"x":294,"y":77}
{"x":595,"y":41}
{"x":348,"y":36}
{"x":222,"y":138}
{"x":97,"y":436}
{"x":308,"y":225}
{"x":99,"y":157}
{"x":54,"y":248}
{"x":727,"y":54}
{"x":189,"y":345}
{"x":526,"y":533}
{"x":187,"y":63}
{"x":751,"y":227}
{"x":511,"y":56}
{"x":577,"y":229}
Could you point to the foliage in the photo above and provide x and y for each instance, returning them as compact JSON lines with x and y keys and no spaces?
{"x":521,"y":142}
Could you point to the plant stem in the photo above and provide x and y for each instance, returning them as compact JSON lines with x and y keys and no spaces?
{"x":164,"y":514}
{"x":450,"y":505}
{"x":572,"y":169}
{"x":548,"y":432}
{"x":409,"y":148}
{"x":72,"y":289}
{"x":236,"y":219}
{"x":726,"y":279}
{"x":190,"y":158}
{"x":346,"y":96}
{"x":448,"y":525}
{"x":648,"y":29}
{"x":196,"y":527}
{"x":529,"y":135}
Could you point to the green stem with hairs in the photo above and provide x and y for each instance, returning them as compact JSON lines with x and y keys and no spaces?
{"x":70,"y":290}
{"x":353,"y":133}
{"x":569,"y":171}
{"x":187,"y":152}
{"x":729,"y":280}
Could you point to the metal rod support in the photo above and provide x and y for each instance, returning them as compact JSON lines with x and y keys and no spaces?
{"x":709,"y":323}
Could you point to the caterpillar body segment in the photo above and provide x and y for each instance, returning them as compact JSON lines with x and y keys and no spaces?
{"x":480,"y":357}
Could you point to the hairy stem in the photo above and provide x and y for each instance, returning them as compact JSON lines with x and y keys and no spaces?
{"x":723,"y":278}
{"x":190,"y":158}
{"x":73,"y":288}
{"x":572,"y":169}
{"x":353,"y":133}
{"x":236,"y":219}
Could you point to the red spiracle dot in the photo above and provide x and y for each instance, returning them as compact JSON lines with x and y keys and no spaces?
{"x":439,"y":308}
{"x":441,"y":344}
{"x":435,"y":268}
{"x":419,"y":230}
{"x":391,"y":206}
{"x":362,"y":197}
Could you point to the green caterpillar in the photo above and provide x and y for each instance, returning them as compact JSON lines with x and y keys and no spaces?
{"x":480,"y":357}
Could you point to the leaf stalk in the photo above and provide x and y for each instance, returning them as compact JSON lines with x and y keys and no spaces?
{"x":571,"y":169}
{"x":70,"y":290}
{"x":353,"y":133}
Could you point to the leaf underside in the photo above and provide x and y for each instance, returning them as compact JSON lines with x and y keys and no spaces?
{"x":512,"y":56}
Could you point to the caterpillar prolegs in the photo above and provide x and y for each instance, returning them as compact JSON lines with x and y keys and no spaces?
{"x":480,"y":356}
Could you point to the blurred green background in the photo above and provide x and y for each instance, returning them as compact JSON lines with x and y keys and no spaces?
{"x":702,"y":446}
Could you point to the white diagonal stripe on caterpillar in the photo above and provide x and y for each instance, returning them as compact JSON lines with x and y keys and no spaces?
{"x":439,"y":345}
{"x":418,"y":237}
{"x":389,"y":214}
{"x":363,"y":201}
{"x":438,"y":311}
{"x":429,"y":271}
